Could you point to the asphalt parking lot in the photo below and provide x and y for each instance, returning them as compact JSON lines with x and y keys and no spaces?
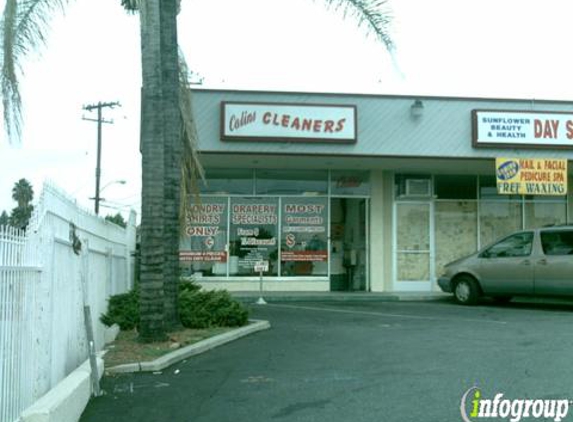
{"x":371,"y":361}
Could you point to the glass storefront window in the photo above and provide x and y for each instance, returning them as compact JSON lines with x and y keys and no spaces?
{"x":291,"y":182}
{"x":545,"y":198}
{"x":304,"y":246}
{"x":413,"y":267}
{"x":228,"y":181}
{"x":413,"y":241}
{"x":488,"y":189}
{"x":253,"y":235}
{"x":498,"y":219}
{"x":455,"y":231}
{"x":350,"y":182}
{"x":455,"y":187}
{"x":539,"y":214}
{"x":202,"y":251}
{"x":227,"y":235}
{"x":413,"y":227}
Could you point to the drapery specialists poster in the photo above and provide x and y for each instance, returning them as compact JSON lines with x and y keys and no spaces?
{"x":254,"y":229}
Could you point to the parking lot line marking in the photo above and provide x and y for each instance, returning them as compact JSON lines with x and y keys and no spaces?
{"x":382,"y":314}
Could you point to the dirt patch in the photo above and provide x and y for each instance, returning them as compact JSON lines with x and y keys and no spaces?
{"x":127,"y":349}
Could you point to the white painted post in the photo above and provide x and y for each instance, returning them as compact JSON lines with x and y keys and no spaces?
{"x":84,"y":268}
{"x":261,"y":266}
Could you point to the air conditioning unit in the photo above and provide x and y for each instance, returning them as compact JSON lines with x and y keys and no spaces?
{"x":418,"y":187}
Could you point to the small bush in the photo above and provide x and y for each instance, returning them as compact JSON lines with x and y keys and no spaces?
{"x":197,"y":309}
{"x":188,"y":286}
{"x":205,"y":309}
{"x":123,"y":310}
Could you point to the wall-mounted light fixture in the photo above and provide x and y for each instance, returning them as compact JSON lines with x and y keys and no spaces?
{"x":417,"y":108}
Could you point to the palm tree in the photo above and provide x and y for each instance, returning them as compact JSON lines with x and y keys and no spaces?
{"x":160,"y":151}
{"x":22,"y":193}
{"x":20,"y":216}
{"x":167,"y":162}
{"x":4,"y":219}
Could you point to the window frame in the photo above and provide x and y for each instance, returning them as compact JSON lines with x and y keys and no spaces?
{"x":543,"y":235}
{"x":487,"y":254}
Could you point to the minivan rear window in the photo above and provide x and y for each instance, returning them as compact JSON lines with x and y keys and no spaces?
{"x":558,"y":242}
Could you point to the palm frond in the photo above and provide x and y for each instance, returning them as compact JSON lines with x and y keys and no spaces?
{"x":374,"y":15}
{"x":132,"y":6}
{"x":23,"y":27}
{"x":191,"y":169}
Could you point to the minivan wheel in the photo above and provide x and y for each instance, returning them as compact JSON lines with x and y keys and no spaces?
{"x":466,"y":291}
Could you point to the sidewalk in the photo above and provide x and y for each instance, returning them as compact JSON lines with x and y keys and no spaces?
{"x":248,"y":297}
{"x":358,"y":297}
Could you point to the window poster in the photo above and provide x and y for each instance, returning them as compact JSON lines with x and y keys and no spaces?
{"x":304,"y":248}
{"x":254,"y":233}
{"x":534,"y":176}
{"x":203,"y":247}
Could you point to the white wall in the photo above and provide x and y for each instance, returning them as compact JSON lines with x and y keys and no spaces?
{"x":43,"y":288}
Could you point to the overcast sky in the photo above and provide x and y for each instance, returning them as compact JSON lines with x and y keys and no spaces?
{"x":487,"y":48}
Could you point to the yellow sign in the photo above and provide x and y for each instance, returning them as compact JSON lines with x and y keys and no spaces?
{"x":520,"y":176}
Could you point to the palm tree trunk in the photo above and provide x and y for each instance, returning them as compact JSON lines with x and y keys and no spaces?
{"x":173,"y":154}
{"x":160,"y":126}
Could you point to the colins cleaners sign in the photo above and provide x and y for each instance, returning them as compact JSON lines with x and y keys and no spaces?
{"x":288,"y":122}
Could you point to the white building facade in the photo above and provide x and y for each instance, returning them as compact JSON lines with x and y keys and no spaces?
{"x":362,"y":193}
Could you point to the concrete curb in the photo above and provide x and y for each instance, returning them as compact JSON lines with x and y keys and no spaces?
{"x":278,"y":297}
{"x":191,"y":350}
{"x":67,"y":400}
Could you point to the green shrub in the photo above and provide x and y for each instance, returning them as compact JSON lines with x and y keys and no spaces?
{"x":123,"y":310}
{"x":197,"y":309}
{"x":204,"y":309}
{"x":186,"y":285}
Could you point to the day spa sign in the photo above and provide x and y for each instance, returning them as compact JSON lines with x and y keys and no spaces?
{"x":539,"y":129}
{"x":288,"y":122}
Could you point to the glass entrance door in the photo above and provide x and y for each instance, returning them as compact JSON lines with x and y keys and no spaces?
{"x":349,"y":244}
{"x":413,"y":261}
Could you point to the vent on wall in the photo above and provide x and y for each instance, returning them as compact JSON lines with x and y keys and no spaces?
{"x":418,"y":187}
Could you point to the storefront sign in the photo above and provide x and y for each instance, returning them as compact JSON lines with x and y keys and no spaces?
{"x":288,"y":122}
{"x":522,"y":129}
{"x":518,"y":176}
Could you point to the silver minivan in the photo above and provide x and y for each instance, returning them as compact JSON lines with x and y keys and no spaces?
{"x":529,"y":262}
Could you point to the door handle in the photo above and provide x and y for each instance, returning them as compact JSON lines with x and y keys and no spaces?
{"x":542,"y":261}
{"x":526,"y":262}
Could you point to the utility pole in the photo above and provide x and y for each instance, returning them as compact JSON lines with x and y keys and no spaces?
{"x":99,"y":106}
